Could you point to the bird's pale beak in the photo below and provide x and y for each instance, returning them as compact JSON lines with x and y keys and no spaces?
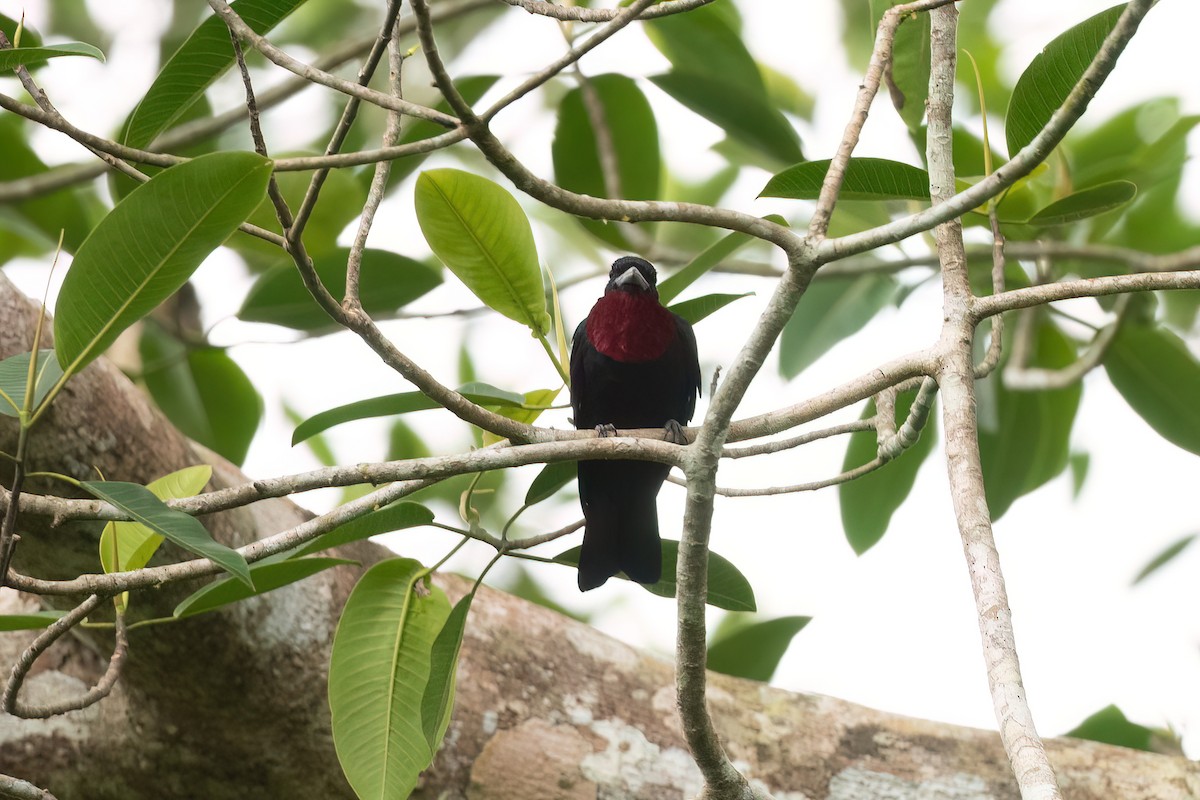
{"x":633,"y":276}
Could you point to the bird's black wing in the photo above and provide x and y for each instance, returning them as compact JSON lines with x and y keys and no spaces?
{"x":687,"y":341}
{"x":579,"y":344}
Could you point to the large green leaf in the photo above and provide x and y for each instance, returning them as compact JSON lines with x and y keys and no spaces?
{"x":1049,"y":78}
{"x":402,"y":403}
{"x":14,"y":378}
{"x":754,"y":651}
{"x":126,"y":546}
{"x":202,"y":391}
{"x":727,"y":586}
{"x":186,"y":531}
{"x":438,"y":699}
{"x":65,"y":210}
{"x":869,"y":502}
{"x":1158,"y":376}
{"x":1024,"y":437}
{"x":266,"y":576}
{"x":908,"y":77}
{"x":746,"y":116}
{"x":1085,"y":203}
{"x":14,"y":57}
{"x":387,"y":282}
{"x":201,"y":59}
{"x":149,"y":245}
{"x":707,"y":41}
{"x":378,"y":672}
{"x":29,"y":36}
{"x":633,"y":134}
{"x":865,"y":179}
{"x":832,"y":309}
{"x":480,"y":232}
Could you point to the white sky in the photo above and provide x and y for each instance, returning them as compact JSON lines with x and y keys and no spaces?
{"x":894,"y":629}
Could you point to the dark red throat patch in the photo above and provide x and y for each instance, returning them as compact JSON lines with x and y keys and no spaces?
{"x":630,"y":327}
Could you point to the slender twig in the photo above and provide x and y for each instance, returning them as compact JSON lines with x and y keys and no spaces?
{"x":101,"y":690}
{"x":1019,"y":375}
{"x":881,"y":57}
{"x":379,"y":180}
{"x":779,"y":445}
{"x":1030,"y":296}
{"x":996,"y":345}
{"x":314,"y":75}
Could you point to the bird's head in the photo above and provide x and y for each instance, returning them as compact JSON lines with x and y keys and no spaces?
{"x":634,"y":275}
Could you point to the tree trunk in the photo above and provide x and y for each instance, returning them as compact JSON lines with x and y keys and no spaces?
{"x":233,"y":704}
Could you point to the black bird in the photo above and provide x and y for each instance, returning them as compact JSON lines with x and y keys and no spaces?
{"x":633,"y":365}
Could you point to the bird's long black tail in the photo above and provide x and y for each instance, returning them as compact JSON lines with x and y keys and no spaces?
{"x":621,"y":511}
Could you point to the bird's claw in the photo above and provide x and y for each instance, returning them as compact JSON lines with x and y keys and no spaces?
{"x":674,"y":432}
{"x":606,"y":430}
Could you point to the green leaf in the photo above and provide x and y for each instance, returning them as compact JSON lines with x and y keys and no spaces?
{"x":831,"y":310}
{"x":746,"y":116}
{"x":14,"y":377}
{"x":1079,"y":463}
{"x":202,"y":391}
{"x":1086,"y":203}
{"x":727,"y":586}
{"x":868,"y":503}
{"x":698,"y":308}
{"x":126,"y":546}
{"x":1024,"y":437}
{"x":12,"y":58}
{"x":194,"y":67}
{"x":548,"y":482}
{"x":67,"y":210}
{"x":908,"y":78}
{"x":266,"y":576}
{"x":149,"y":245}
{"x":186,"y":531}
{"x":535,"y":403}
{"x":671,"y":288}
{"x":438,"y":700}
{"x":378,"y":672}
{"x":480,"y":232}
{"x":395,"y":517}
{"x":32,"y":621}
{"x":1158,"y":376}
{"x":1110,"y":726}
{"x":1049,"y":78}
{"x":633,"y":132}
{"x":866,"y":179}
{"x":706,"y":41}
{"x":754,"y":651}
{"x":387,"y":282}
{"x":1164,"y":558}
{"x":402,"y":403}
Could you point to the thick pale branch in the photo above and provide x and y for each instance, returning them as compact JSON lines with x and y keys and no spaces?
{"x":984,"y":307}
